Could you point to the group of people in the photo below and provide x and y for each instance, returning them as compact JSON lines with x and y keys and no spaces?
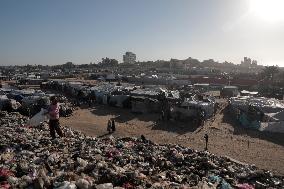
{"x":54,"y":125}
{"x":111,"y":126}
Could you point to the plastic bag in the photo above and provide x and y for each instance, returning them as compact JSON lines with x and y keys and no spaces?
{"x":245,"y":186}
{"x":105,"y":186}
{"x":38,"y":118}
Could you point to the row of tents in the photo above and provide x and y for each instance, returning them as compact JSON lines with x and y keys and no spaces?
{"x":140,"y":99}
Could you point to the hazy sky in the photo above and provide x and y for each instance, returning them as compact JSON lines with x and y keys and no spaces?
{"x":84,"y":31}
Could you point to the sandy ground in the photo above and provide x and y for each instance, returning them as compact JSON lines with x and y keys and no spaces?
{"x":226,"y":138}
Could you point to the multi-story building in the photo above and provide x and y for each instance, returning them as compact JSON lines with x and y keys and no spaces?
{"x":129,"y":58}
{"x":247,"y":62}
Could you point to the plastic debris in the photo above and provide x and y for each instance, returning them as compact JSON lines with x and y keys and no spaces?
{"x":29,"y":159}
{"x":105,"y":186}
{"x":244,"y":186}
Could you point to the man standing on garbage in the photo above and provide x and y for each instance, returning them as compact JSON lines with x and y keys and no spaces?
{"x":53,"y":112}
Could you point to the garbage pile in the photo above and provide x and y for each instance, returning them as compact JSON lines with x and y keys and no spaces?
{"x":66,"y":107}
{"x":30,"y":159}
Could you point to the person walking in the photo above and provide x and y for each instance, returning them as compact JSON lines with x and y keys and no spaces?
{"x":54,"y":125}
{"x":113,"y":127}
{"x":109,"y":126}
{"x":206,"y":141}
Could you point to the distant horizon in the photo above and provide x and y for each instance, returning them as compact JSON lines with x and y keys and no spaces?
{"x":137,"y":62}
{"x":54,"y":32}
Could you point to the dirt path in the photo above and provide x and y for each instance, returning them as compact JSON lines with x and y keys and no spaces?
{"x":225,"y":138}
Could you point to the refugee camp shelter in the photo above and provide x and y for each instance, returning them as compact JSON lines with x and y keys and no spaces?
{"x":229,"y":91}
{"x":264,"y":114}
{"x":145,"y":100}
{"x":248,"y":93}
{"x":202,"y":87}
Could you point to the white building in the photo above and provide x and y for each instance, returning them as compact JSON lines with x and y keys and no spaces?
{"x":129,"y":58}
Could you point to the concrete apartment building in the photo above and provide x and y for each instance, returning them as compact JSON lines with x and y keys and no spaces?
{"x":248,"y":62}
{"x":129,"y":58}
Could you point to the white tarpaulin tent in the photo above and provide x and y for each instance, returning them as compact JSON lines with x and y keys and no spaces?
{"x":248,"y":93}
{"x":207,"y":107}
{"x":266,"y":105}
{"x":275,"y":127}
{"x":272,"y":109}
{"x":279,"y":116}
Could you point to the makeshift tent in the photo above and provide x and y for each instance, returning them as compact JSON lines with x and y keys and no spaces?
{"x":4,"y":101}
{"x":266,"y":105}
{"x":207,"y":107}
{"x":118,"y":100}
{"x":264,"y":114}
{"x":144,"y":105}
{"x":183,"y":112}
{"x":229,"y":91}
{"x":275,"y":127}
{"x":248,"y":93}
{"x":145,"y":92}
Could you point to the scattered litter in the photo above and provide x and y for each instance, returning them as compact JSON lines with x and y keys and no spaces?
{"x":29,"y":159}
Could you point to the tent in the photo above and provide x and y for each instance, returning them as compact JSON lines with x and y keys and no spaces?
{"x":275,"y":127}
{"x":144,"y":105}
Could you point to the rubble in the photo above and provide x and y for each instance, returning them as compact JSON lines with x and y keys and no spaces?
{"x":30,"y":159}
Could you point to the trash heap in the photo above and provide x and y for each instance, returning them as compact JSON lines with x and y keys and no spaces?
{"x":30,"y":159}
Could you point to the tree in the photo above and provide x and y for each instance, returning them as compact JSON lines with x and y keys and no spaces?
{"x":68,"y":65}
{"x":280,"y":78}
{"x":108,"y":62}
{"x":269,"y":72}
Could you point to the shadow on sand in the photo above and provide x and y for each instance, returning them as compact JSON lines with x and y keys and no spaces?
{"x":277,"y":138}
{"x":104,"y":135}
{"x":179,"y":127}
{"x":122,"y":115}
